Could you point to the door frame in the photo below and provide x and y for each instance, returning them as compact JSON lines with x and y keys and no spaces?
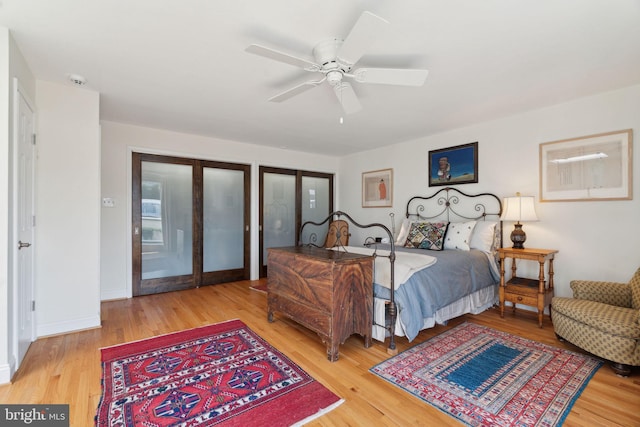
{"x":14,"y":302}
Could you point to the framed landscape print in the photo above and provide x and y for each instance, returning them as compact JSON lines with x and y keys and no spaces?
{"x":377,"y":188}
{"x":594,"y":167}
{"x":454,"y":165}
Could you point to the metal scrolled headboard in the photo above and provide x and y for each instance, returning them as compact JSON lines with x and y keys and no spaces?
{"x":450,"y":204}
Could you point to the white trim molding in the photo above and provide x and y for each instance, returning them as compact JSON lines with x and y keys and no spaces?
{"x":56,"y":328}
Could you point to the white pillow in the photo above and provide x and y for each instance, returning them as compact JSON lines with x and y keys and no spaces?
{"x":482,"y":236}
{"x":459,"y":235}
{"x":404,"y":232}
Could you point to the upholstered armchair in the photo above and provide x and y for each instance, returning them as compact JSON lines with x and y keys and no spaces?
{"x":603,"y":318}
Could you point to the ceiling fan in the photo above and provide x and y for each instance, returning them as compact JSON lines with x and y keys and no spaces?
{"x":335,"y":59}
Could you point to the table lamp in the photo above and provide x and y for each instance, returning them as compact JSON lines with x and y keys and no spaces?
{"x":518,"y":208}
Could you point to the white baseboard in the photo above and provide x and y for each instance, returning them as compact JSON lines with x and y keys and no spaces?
{"x":113,"y":295}
{"x":67,"y":326}
{"x":5,"y":374}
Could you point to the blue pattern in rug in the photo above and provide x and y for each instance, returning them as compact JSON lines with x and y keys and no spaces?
{"x":482,"y":366}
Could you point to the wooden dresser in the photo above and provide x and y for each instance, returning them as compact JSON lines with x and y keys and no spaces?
{"x":327,"y":291}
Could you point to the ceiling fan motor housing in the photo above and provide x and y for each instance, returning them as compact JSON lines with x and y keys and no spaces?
{"x":326,"y":54}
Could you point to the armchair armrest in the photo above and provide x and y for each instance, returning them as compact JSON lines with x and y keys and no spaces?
{"x":612,"y":293}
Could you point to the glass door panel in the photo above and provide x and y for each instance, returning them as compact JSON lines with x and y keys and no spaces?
{"x":315,"y":207}
{"x":166,"y":220}
{"x":279,"y":211}
{"x":223,"y":219}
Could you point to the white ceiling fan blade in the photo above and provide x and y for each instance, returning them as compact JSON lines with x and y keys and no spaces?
{"x":276,"y":55}
{"x":347,"y":97}
{"x":296,"y":90}
{"x":390,"y":76}
{"x":366,"y":30}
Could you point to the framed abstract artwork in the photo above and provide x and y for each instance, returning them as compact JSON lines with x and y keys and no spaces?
{"x":454,"y":165}
{"x":593,"y":167}
{"x":377,"y":188}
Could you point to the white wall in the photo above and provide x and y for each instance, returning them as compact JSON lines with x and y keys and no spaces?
{"x":596,"y":240}
{"x":119,"y":140}
{"x":67,"y":209}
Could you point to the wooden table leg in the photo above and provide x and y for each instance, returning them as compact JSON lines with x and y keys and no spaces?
{"x":502,"y":283}
{"x":541,"y":292}
{"x":332,"y":351}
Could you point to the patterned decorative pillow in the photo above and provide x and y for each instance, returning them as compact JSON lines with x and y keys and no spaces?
{"x":459,"y":235}
{"x":427,"y":235}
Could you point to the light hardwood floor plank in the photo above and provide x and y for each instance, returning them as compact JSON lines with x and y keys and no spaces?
{"x":66,"y":368}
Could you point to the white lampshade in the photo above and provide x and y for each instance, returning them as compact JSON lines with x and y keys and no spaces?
{"x":519,"y":208}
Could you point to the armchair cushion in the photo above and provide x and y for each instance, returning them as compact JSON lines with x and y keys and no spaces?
{"x":610,"y":319}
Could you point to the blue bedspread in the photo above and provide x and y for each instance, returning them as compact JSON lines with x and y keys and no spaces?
{"x":455,"y":275}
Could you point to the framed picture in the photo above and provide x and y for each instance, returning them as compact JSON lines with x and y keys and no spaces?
{"x":454,"y":165}
{"x":377,"y":188}
{"x":594,"y":167}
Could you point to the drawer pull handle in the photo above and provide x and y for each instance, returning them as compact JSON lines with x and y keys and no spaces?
{"x":519,"y":298}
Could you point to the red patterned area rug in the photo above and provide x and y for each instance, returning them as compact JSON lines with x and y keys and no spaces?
{"x":484,"y":377}
{"x":217,"y":375}
{"x":260,"y":287}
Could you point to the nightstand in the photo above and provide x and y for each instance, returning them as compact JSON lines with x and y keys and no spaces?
{"x":520,"y":290}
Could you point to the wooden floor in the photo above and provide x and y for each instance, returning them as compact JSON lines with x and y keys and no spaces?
{"x":66,"y":368}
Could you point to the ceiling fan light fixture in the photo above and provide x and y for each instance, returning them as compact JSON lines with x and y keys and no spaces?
{"x":334,"y":77}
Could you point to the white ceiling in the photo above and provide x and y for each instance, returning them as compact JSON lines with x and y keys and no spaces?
{"x":181,"y":65}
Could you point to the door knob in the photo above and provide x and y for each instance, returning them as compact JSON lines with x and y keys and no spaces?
{"x":22,"y":244}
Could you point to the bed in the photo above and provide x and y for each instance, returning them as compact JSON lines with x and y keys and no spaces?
{"x":442,"y":263}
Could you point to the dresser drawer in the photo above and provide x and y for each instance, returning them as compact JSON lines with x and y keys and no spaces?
{"x":314,"y":318}
{"x":521,"y":299}
{"x":317,"y":297}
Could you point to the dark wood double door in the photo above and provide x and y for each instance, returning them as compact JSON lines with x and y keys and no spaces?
{"x":190,"y":223}
{"x":288,"y":198}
